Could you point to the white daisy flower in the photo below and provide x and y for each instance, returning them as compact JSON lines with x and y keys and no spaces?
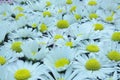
{"x":59,"y":12}
{"x":91,"y":67}
{"x":17,"y":8}
{"x":84,"y":31}
{"x":5,"y":12}
{"x":33,"y":50}
{"x":59,"y":59}
{"x":56,"y":35}
{"x":110,"y":52}
{"x":67,"y":75}
{"x":90,"y":46}
{"x":24,"y":33}
{"x":25,"y":70}
{"x":46,"y":24}
{"x":92,"y":15}
{"x":92,"y":5}
{"x":66,"y":42}
{"x":6,"y":57}
{"x":107,"y":16}
{"x":72,"y":6}
{"x":43,"y":41}
{"x":112,"y":36}
{"x":101,"y":26}
{"x":33,"y":21}
{"x":14,"y":47}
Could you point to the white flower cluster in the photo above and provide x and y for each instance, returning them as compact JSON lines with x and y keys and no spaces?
{"x":60,"y":40}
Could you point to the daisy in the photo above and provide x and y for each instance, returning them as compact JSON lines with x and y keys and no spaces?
{"x":90,"y":46}
{"x":68,"y":75}
{"x":24,"y":33}
{"x":33,"y":50}
{"x":110,"y":52}
{"x":33,"y":21}
{"x":14,"y":47}
{"x":101,"y":26}
{"x":92,"y":5}
{"x":6,"y":57}
{"x":84,"y":31}
{"x":108,"y":16}
{"x":71,"y":6}
{"x":25,"y":70}
{"x":74,"y":12}
{"x":92,"y":66}
{"x":6,"y":11}
{"x":66,"y":42}
{"x":46,"y":24}
{"x":56,"y":35}
{"x":92,"y":15}
{"x":59,"y":59}
{"x":17,"y":8}
{"x":112,"y":35}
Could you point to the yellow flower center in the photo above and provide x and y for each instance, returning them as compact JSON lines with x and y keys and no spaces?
{"x":77,"y":16}
{"x":61,"y":62}
{"x":93,"y":64}
{"x":43,"y":27}
{"x":2,"y":60}
{"x":109,"y":19}
{"x":79,"y":35}
{"x":19,"y":8}
{"x":93,"y":15}
{"x":61,"y":24}
{"x":16,"y":46}
{"x":116,"y":36}
{"x":60,"y":11}
{"x":4,"y":14}
{"x":69,"y":2}
{"x":69,"y":44}
{"x":47,"y":13}
{"x":48,"y":3}
{"x":60,"y":79}
{"x":19,"y":15}
{"x":92,"y":3}
{"x":33,"y":53}
{"x":34,"y":25}
{"x":73,"y":8}
{"x":114,"y":55}
{"x":92,"y":48}
{"x":58,"y":36}
{"x":98,"y":26}
{"x":118,"y":7}
{"x":22,"y":74}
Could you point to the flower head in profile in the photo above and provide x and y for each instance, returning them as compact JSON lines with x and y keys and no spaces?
{"x":26,"y":70}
